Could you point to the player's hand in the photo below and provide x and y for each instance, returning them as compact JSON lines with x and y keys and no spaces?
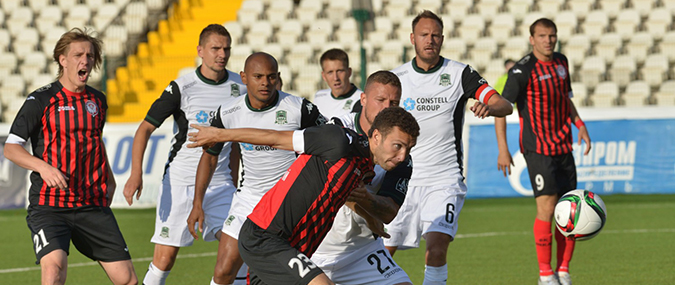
{"x":196,"y":216}
{"x":504,"y":162}
{"x":359,"y":194}
{"x":583,"y":135}
{"x":54,"y":177}
{"x":377,"y":227}
{"x":133,"y":186}
{"x":205,"y":137}
{"x":480,"y":110}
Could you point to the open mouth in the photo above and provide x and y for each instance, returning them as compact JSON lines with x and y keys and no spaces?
{"x":82,"y":74}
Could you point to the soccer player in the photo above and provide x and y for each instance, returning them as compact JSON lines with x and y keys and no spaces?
{"x":263,"y":107}
{"x":341,"y":96}
{"x":352,"y":253}
{"x":191,"y":99}
{"x":540,"y":85}
{"x":72,"y":184}
{"x":435,"y":90}
{"x":290,"y":221}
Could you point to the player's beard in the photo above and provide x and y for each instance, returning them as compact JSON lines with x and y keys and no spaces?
{"x":423,"y":55}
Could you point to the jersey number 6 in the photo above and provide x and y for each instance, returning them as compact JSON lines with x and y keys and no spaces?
{"x":450,"y":213}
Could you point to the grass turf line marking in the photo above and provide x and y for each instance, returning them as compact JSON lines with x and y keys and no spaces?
{"x":459,"y":236}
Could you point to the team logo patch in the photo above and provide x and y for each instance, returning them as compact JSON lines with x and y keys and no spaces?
{"x":235,"y":90}
{"x":202,"y":117}
{"x":281,"y":118}
{"x":43,"y":88}
{"x":229,"y":220}
{"x":561,"y":71}
{"x":445,"y":80}
{"x":348,"y":105}
{"x":402,"y":185}
{"x":169,"y":89}
{"x":92,"y":108}
{"x":409,"y":104}
{"x":165,"y":232}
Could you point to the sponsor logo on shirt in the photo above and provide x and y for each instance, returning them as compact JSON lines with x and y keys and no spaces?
{"x":424,"y":104}
{"x":231,"y":110}
{"x":66,"y":108}
{"x":252,"y":147}
{"x":202,"y":117}
{"x":445,"y":80}
{"x":402,"y":73}
{"x":92,"y":108}
{"x":187,"y":86}
{"x":282,"y":117}
{"x":544,"y":77}
{"x":235,"y":90}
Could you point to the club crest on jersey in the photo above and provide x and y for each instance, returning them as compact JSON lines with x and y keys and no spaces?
{"x":561,"y":71}
{"x":165,"y":232}
{"x":445,"y":80}
{"x":281,"y":118}
{"x":235,"y":90}
{"x":348,"y":104}
{"x":92,"y":108}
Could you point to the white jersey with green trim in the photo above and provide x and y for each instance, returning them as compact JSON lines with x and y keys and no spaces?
{"x":193,"y":99}
{"x":335,"y":107}
{"x":437,"y":99}
{"x":264,"y":165}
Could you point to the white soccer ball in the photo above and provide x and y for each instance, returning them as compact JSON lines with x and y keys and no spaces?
{"x":580,"y":214}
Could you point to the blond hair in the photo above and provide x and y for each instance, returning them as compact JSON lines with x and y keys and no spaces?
{"x":77,"y":35}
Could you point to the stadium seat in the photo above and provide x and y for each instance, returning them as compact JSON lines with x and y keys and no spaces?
{"x":391,"y":53}
{"x":666,"y":94}
{"x":307,"y":11}
{"x":489,"y":8}
{"x":644,"y":7}
{"x":658,"y":22}
{"x":397,"y":9}
{"x":50,"y":16}
{"x":580,"y":8}
{"x":19,"y":20}
{"x":9,"y":6}
{"x":382,"y":32}
{"x":250,"y":12}
{"x":669,"y":5}
{"x":319,"y":32}
{"x":348,"y":31}
{"x":472,"y":28}
{"x":154,"y":5}
{"x":95,"y":5}
{"x":289,"y":33}
{"x":502,"y":27}
{"x":493,"y":70}
{"x":259,"y":33}
{"x":580,"y":93}
{"x":577,"y":48}
{"x":66,"y":5}
{"x":236,"y":31}
{"x":41,"y":80}
{"x":515,"y":48}
{"x":33,"y":64}
{"x":37,"y":5}
{"x":453,"y":48}
{"x":26,"y":42}
{"x":626,"y":23}
{"x":595,"y":24}
{"x":431,"y":5}
{"x":654,"y":70}
{"x":605,"y":94}
{"x":482,"y":52}
{"x":106,"y":14}
{"x":639,"y":46}
{"x":608,"y":45}
{"x":299,"y":56}
{"x":549,"y":7}
{"x":519,"y":8}
{"x":78,"y":16}
{"x":637,"y":94}
{"x":2,"y":18}
{"x":139,"y":9}
{"x":279,"y":11}
{"x":566,"y":22}
{"x":13,"y":84}
{"x":277,"y":51}
{"x":623,"y":70}
{"x":338,"y":11}
{"x":5,"y":40}
{"x":8,"y":63}
{"x":611,"y":7}
{"x":458,"y":9}
{"x":286,"y":75}
{"x":592,"y":70}
{"x":238,"y":57}
{"x":402,"y":33}
{"x":667,"y":45}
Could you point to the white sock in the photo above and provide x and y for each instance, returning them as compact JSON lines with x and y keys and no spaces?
{"x":154,"y":276}
{"x":214,"y":282}
{"x":435,"y":275}
{"x":241,"y":275}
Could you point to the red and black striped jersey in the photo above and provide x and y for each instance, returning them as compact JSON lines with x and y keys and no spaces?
{"x":65,"y":130}
{"x":301,"y":207}
{"x":542,"y":91}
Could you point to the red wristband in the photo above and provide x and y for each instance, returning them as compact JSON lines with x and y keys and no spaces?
{"x":579,"y":123}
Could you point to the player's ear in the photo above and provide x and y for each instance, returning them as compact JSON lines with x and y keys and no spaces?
{"x":363,"y":99}
{"x":243,"y":77}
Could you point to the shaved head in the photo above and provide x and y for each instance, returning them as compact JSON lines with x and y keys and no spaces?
{"x":261,"y":58}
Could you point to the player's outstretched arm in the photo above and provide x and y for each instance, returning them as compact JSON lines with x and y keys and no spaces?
{"x":208,"y":136}
{"x":51,"y":175}
{"x":134,"y":184}
{"x":207,"y":165}
{"x":504,"y":160}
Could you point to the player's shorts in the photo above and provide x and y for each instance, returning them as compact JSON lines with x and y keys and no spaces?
{"x":93,"y":231}
{"x":370,"y":264}
{"x":272,"y":260}
{"x":551,"y":175}
{"x":426,"y":209}
{"x":241,"y":208}
{"x":174,"y":206}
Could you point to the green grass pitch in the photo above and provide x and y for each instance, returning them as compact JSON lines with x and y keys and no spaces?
{"x":494,"y":246}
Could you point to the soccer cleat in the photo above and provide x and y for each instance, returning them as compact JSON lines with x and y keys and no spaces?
{"x":564,"y":278}
{"x":548,"y":280}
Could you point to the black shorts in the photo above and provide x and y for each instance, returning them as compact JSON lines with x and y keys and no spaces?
{"x":93,"y":230}
{"x":272,"y":260}
{"x":551,"y":175}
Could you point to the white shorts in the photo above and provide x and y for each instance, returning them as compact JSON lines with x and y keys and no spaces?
{"x":241,"y":208}
{"x":425,"y":209}
{"x":174,"y":206}
{"x":371,"y":264}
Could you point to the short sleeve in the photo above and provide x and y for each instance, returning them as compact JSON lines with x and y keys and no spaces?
{"x":165,"y":105}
